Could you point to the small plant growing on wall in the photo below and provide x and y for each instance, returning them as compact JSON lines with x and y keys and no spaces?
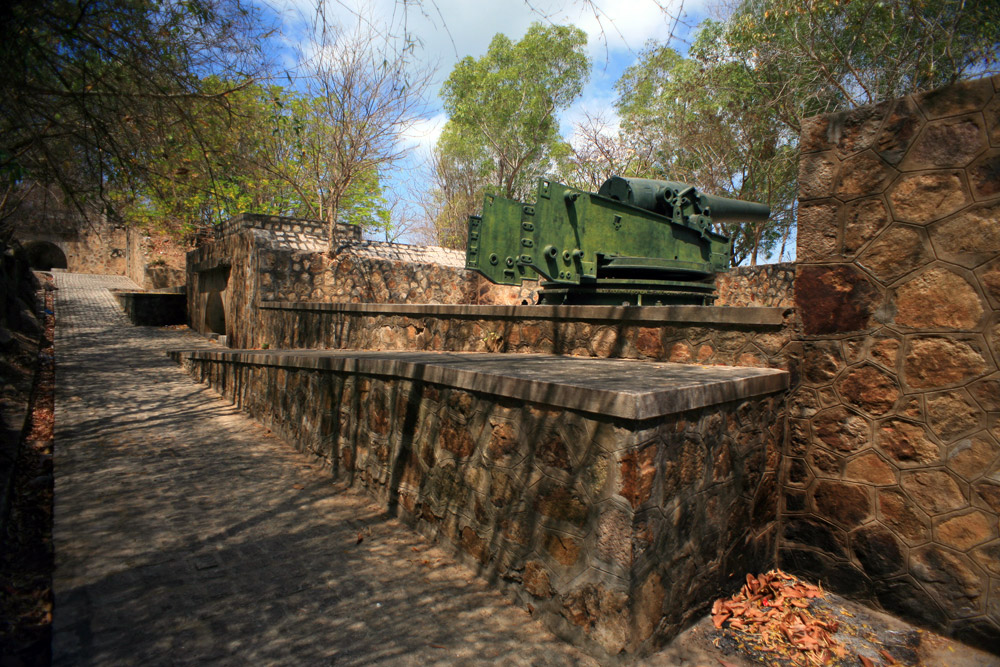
{"x":493,"y":341}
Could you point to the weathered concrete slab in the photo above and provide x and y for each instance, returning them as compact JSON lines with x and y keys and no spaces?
{"x":614,"y":387}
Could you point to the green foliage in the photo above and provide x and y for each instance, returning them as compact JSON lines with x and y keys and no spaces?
{"x":821,"y":55}
{"x":726,"y":118}
{"x":95,"y":93}
{"x":504,"y":104}
{"x":696,"y":115}
{"x":502,"y":128}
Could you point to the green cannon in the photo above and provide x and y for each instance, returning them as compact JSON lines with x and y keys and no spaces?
{"x":634,"y":242}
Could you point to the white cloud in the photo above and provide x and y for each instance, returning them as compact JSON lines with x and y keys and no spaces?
{"x":423,"y":135}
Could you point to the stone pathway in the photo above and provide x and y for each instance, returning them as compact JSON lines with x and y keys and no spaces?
{"x":186,"y":533}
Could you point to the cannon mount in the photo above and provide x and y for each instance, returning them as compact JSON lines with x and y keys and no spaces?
{"x":634,"y":242}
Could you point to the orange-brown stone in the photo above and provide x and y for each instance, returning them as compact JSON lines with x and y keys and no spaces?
{"x":841,"y":429}
{"x":817,"y":232}
{"x":899,"y":514}
{"x":649,"y":610}
{"x":863,"y":174}
{"x":680,"y":353}
{"x":870,"y":468}
{"x":952,"y":142}
{"x":935,"y":491}
{"x":989,"y":491}
{"x":562,"y":548}
{"x":865,"y":218}
{"x":966,"y":530}
{"x":845,"y":504}
{"x":970,"y":237}
{"x":906,"y":443}
{"x":900,"y":250}
{"x":614,"y":537}
{"x":885,"y":351}
{"x":648,"y":342}
{"x":984,"y":176}
{"x":868,"y":388}
{"x":536,"y":579}
{"x":923,"y":197}
{"x":952,"y":413}
{"x":937,"y":299}
{"x":562,"y":504}
{"x":899,"y":131}
{"x":822,"y":361}
{"x":474,"y":545}
{"x":638,"y":472}
{"x":934,"y":361}
{"x":958,"y":98}
{"x":816,"y":175}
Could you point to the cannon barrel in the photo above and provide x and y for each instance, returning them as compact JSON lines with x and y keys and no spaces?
{"x":663,"y":196}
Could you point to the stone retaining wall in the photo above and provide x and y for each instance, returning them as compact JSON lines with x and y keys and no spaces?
{"x":681,"y":334}
{"x":768,"y":285}
{"x":617,"y":532}
{"x":892,"y":477}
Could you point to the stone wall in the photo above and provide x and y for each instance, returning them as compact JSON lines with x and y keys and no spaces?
{"x":768,"y":285}
{"x":682,"y":334}
{"x":154,"y":260}
{"x":89,"y":244}
{"x":267,"y":258}
{"x":892,"y":477}
{"x":617,"y":532}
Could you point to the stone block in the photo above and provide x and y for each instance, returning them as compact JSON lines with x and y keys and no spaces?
{"x":937,"y":299}
{"x":818,"y":231}
{"x":901,"y":127}
{"x":885,"y":351}
{"x":863,"y":175}
{"x":822,"y":361}
{"x":864,"y":219}
{"x":956,"y":99}
{"x":984,"y":176}
{"x":855,"y":130}
{"x":951,"y":142}
{"x":870,"y":468}
{"x":964,"y":531}
{"x":907,"y":444}
{"x":834,"y":299}
{"x":841,"y":430}
{"x":902,"y":516}
{"x":878,"y":551}
{"x":869,"y":389}
{"x":927,"y":196}
{"x":934,"y":491}
{"x":992,"y":114}
{"x":987,"y":393}
{"x":898,"y":251}
{"x":843,"y":503}
{"x":951,"y":578}
{"x":817,"y":173}
{"x":989,"y":279}
{"x":815,"y":134}
{"x":969,"y":238}
{"x":818,"y":533}
{"x":951,"y":414}
{"x":935,"y":362}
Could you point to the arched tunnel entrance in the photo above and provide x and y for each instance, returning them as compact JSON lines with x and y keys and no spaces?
{"x":44,"y":255}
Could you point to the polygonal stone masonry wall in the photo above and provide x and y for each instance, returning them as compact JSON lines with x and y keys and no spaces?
{"x":617,"y":533}
{"x":891,"y":482}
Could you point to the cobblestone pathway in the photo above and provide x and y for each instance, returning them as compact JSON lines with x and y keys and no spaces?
{"x":185,"y":533}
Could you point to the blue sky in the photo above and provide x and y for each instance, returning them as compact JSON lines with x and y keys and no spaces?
{"x":448,"y":30}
